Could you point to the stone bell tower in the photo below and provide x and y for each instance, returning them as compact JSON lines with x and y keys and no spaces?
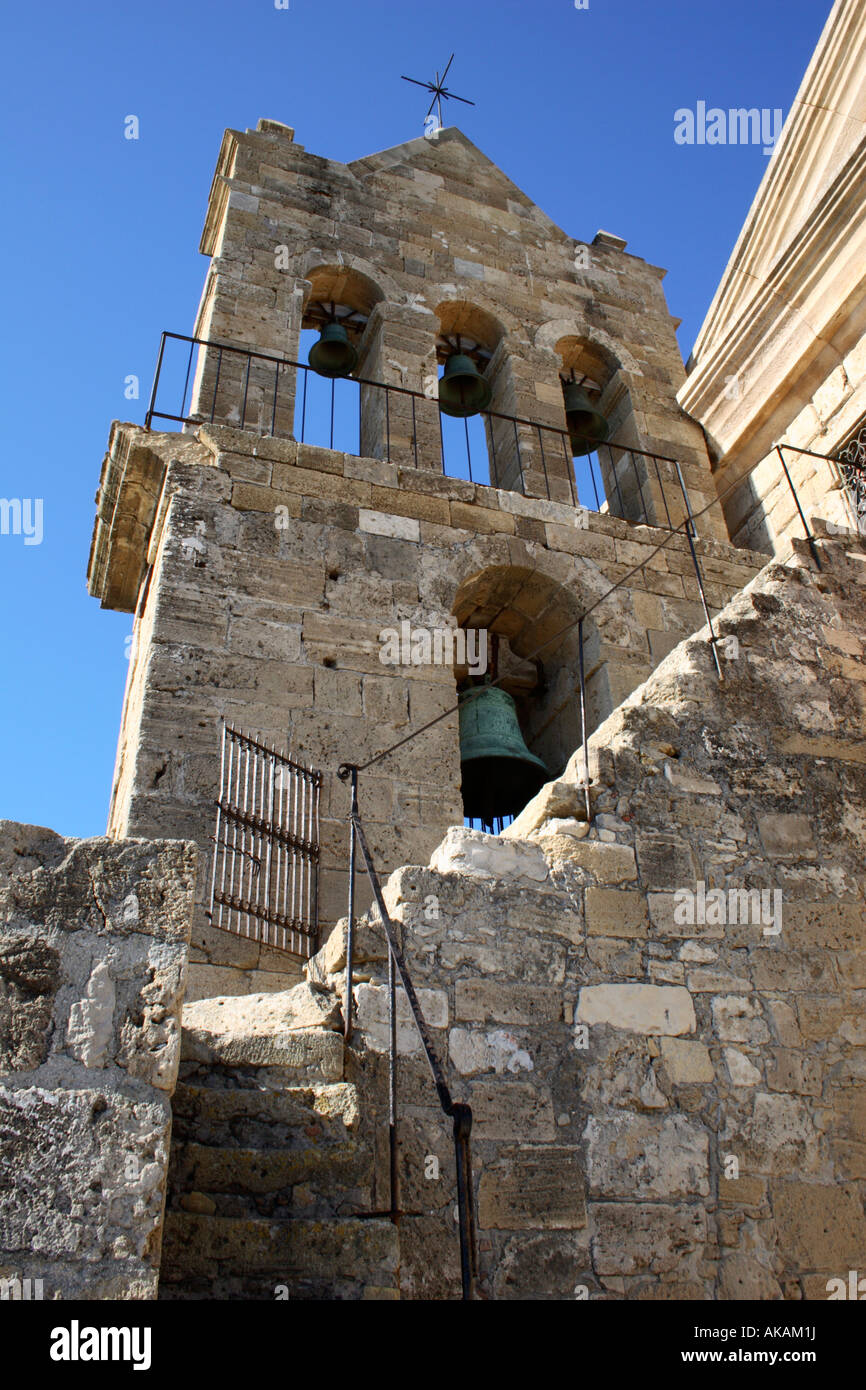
{"x":264,"y":543}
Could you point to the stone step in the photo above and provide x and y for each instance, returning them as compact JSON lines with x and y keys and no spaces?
{"x":297,"y":1030}
{"x":259,"y":1117}
{"x":202,"y":1252}
{"x":370,"y":948}
{"x":313,"y":1055}
{"x":339,"y":1287}
{"x":272,"y":1182}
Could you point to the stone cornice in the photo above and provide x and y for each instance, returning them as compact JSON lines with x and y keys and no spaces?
{"x":130,"y":489}
{"x":219,"y":192}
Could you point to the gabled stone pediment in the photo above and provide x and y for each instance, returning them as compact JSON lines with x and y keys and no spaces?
{"x":452,"y":155}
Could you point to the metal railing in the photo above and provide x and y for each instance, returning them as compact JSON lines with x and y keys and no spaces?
{"x":458,"y":1112}
{"x":849,"y":466}
{"x":249,"y":389}
{"x":265,"y":868}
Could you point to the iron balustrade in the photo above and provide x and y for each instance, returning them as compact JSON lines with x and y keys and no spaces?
{"x":636,"y":485}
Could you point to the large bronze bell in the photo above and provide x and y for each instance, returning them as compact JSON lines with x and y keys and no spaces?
{"x":462,"y":389}
{"x":333,"y":355}
{"x":499,"y":773}
{"x":586,"y":427}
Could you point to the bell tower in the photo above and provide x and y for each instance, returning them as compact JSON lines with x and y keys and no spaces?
{"x":412,"y":414}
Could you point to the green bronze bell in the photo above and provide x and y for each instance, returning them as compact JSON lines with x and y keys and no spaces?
{"x":499,"y":773}
{"x":333,"y":355}
{"x":462,"y":389}
{"x":586,"y":427}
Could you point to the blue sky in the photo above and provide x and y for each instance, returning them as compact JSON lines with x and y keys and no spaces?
{"x":100,"y":235}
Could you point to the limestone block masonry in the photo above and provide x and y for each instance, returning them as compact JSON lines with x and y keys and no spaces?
{"x":276,"y":628}
{"x":94,"y":940}
{"x":261,"y":571}
{"x":669,"y":1098}
{"x":426,"y":239}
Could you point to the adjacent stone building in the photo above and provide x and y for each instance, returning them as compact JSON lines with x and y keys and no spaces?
{"x":781,"y":357}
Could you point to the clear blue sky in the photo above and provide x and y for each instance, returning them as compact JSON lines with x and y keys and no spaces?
{"x":100,"y":235}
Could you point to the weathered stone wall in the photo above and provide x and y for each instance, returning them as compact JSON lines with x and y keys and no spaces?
{"x":93,"y":945}
{"x":267,"y":571}
{"x":762,"y":513}
{"x":663,"y":1109}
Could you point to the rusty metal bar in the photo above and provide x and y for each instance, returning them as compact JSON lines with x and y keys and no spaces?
{"x":414,"y":432}
{"x":468,"y":450}
{"x":267,"y":817}
{"x":246,"y":390}
{"x":809,"y":537}
{"x":152,"y":403}
{"x":274,"y":407}
{"x":543,"y":463}
{"x":350,"y":920}
{"x":186,"y":379}
{"x":640,"y":489}
{"x":700,"y":578}
{"x":592,"y":479}
{"x":216,"y":384}
{"x":662,"y":490}
{"x":460,"y":1113}
{"x":583,"y":727}
{"x":393,"y":1154}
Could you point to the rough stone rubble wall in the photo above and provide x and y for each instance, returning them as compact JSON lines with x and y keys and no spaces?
{"x":706,"y":1136}
{"x":93,"y":946}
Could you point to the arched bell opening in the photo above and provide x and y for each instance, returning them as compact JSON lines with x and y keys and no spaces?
{"x":585,"y":375}
{"x":610,"y":471}
{"x":466,"y":344}
{"x":333,"y":343}
{"x":520,"y":732}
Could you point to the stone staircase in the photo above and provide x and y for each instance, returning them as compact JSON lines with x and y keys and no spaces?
{"x":271,"y":1171}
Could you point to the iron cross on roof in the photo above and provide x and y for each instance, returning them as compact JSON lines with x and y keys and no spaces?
{"x":439,"y":91}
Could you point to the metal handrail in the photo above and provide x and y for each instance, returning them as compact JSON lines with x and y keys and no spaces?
{"x":561,"y":437}
{"x":458,"y":1111}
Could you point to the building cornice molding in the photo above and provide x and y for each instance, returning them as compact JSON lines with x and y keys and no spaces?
{"x":826,"y":123}
{"x":219,"y":192}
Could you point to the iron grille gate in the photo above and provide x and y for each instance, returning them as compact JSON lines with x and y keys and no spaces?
{"x":265,"y":870}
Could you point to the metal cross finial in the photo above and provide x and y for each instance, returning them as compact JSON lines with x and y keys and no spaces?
{"x":439,"y":91}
